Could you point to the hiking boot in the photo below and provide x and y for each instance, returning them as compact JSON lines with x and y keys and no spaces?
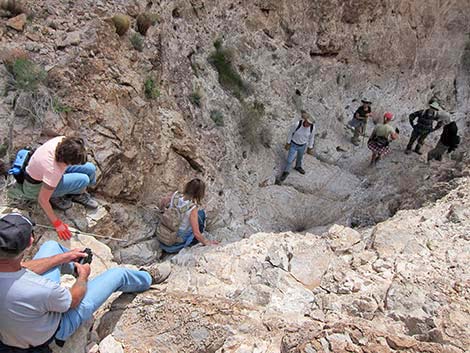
{"x":407,"y":151}
{"x":300,"y":170}
{"x":61,"y":203}
{"x":86,"y":200}
{"x":418,"y":150}
{"x":158,"y":272}
{"x":283,"y":176}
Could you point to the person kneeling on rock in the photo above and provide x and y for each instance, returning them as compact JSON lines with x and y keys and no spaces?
{"x":182,"y":222}
{"x":300,"y":138}
{"x":380,"y":139}
{"x":57,"y":169}
{"x":35,"y":309}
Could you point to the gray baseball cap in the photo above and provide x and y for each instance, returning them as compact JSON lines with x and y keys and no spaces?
{"x":15,"y":232}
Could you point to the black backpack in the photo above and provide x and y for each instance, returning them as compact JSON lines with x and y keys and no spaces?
{"x":300,"y":124}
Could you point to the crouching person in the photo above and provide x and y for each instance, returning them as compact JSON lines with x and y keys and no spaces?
{"x":182,"y":220}
{"x":35,"y":309}
{"x":56,"y":170}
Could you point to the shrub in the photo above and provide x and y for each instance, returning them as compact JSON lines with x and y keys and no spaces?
{"x":121,"y":23}
{"x":229,"y":78}
{"x":58,"y":107}
{"x":137,"y":42}
{"x":251,"y":128}
{"x":15,"y":7}
{"x":217,"y":117}
{"x":26,"y":74}
{"x":144,"y":22}
{"x":195,"y":98}
{"x":150,"y":88}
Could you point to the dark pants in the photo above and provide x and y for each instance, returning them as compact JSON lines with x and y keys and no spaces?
{"x":437,"y":152}
{"x":419,"y":135}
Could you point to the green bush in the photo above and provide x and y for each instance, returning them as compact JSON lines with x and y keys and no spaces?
{"x":58,"y":107}
{"x":229,"y":78}
{"x":251,"y":124}
{"x":150,"y":88}
{"x":26,"y":74}
{"x":195,"y":98}
{"x":217,"y":117}
{"x":137,"y":41}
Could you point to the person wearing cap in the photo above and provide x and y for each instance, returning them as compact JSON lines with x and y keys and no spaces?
{"x":424,"y":126}
{"x":359,"y":120}
{"x":300,"y":138}
{"x":34,"y":308}
{"x":56,"y":170}
{"x":380,"y":138}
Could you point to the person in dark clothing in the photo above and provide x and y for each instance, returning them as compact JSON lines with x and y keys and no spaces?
{"x":449,"y":142}
{"x":359,"y":120}
{"x":424,"y":126}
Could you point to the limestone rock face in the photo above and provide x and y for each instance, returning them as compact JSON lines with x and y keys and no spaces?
{"x":326,"y":270}
{"x":308,"y":293}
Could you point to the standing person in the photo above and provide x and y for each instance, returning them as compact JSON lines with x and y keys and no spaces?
{"x":56,"y":169}
{"x":191,"y":219}
{"x":424,"y":126}
{"x":300,"y":138}
{"x":449,"y":141}
{"x":380,"y":139}
{"x":359,"y":120}
{"x":34,"y":308}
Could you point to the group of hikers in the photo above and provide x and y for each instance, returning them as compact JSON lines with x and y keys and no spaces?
{"x":36,"y":310}
{"x":301,"y":135}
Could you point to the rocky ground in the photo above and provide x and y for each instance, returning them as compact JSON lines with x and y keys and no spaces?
{"x":156,"y":110}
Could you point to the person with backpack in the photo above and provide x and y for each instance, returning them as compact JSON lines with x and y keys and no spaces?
{"x":57,"y":169}
{"x":380,"y":139}
{"x":301,"y":137}
{"x":35,"y":309}
{"x":182,"y":221}
{"x":359,"y":120}
{"x":424,"y":126}
{"x":448,"y":142}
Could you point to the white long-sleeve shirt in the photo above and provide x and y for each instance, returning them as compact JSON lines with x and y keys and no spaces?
{"x":302,"y":136}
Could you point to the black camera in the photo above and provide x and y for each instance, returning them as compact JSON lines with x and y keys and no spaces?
{"x":88,"y":259}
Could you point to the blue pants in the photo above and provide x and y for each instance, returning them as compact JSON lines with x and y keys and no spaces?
{"x":189,"y":238}
{"x":75,"y":180}
{"x":99,"y":289}
{"x":294,"y":150}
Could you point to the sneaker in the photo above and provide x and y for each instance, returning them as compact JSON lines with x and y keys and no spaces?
{"x":300,"y":170}
{"x":283,"y":176}
{"x":61,"y":203}
{"x":86,"y":200}
{"x":158,"y":272}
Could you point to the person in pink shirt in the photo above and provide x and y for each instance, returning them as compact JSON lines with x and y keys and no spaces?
{"x":57,"y":169}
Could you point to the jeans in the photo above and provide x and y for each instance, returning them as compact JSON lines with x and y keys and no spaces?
{"x":75,"y":180}
{"x":99,"y":289}
{"x":189,"y":238}
{"x":294,"y":150}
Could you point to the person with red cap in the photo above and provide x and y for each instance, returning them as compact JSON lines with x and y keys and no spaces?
{"x":379,"y":141}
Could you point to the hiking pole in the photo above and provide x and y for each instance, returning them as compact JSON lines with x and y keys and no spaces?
{"x":79,"y":232}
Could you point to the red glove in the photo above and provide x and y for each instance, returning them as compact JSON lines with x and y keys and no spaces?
{"x":62,"y":230}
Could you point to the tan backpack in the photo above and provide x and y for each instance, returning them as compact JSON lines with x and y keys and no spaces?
{"x":170,"y":221}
